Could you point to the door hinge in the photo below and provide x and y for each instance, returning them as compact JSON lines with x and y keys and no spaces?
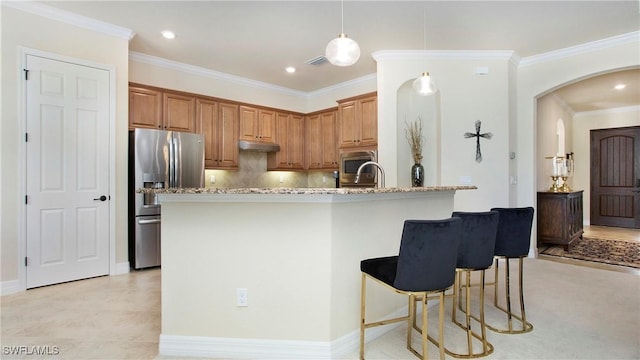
{"x":26,"y":74}
{"x":26,"y":261}
{"x":26,"y":137}
{"x":26,"y":199}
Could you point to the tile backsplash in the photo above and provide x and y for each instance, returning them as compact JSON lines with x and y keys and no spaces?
{"x":252,"y":172}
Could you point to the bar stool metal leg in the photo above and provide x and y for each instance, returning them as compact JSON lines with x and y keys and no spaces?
{"x":521,"y":318}
{"x":487,"y":348}
{"x":363,"y":292}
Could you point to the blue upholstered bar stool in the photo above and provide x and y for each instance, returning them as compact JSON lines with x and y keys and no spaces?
{"x":424,"y":269}
{"x":475,"y":253}
{"x":512,"y":242}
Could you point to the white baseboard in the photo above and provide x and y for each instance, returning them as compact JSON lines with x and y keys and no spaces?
{"x":237,"y":348}
{"x":234,"y":348}
{"x":9,"y":287}
{"x":122,"y":268}
{"x":13,"y":286}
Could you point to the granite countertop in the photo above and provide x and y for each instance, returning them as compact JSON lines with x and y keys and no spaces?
{"x":314,"y":191}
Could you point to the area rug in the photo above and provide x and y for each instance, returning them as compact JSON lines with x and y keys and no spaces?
{"x":615,"y":252}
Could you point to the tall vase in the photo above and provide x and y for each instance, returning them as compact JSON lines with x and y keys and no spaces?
{"x":417,"y":175}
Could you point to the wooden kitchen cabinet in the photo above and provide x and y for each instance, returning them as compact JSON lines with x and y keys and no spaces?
{"x":178,"y":112}
{"x":358,"y":121}
{"x":257,"y":124}
{"x":145,"y":108}
{"x":154,"y":108}
{"x":290,"y":137}
{"x":559,"y":218}
{"x":218,"y":122}
{"x":321,"y":141}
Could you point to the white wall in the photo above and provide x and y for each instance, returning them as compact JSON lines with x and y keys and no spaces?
{"x":550,"y":109}
{"x":464,"y":97}
{"x":23,"y":29}
{"x":583,"y":124}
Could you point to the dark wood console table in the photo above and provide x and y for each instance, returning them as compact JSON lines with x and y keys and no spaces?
{"x":559,"y":218}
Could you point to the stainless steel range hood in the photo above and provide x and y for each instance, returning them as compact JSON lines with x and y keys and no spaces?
{"x":258,"y":146}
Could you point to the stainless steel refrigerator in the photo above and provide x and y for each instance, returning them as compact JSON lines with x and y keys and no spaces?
{"x":158,"y":159}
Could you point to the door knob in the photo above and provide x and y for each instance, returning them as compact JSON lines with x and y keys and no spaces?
{"x":101,"y":198}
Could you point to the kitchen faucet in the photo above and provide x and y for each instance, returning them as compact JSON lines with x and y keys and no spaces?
{"x":381,"y":185}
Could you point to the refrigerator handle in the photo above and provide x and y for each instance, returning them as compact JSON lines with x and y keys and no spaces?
{"x":177,"y":182}
{"x":172,"y":163}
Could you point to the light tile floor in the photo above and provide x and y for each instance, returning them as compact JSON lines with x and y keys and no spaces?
{"x":110,"y":317}
{"x":613,"y":233}
{"x":118,"y":317}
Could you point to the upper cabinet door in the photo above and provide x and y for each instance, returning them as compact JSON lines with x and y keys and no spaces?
{"x":228,"y":136}
{"x":257,"y":124}
{"x":218,"y":122}
{"x":145,"y":108}
{"x":154,"y":108}
{"x":266,"y":126}
{"x":295,"y":141}
{"x":314,"y":142}
{"x":290,"y":136}
{"x":358,"y":121}
{"x":207,"y":125}
{"x":369,"y":121}
{"x":329,"y":140}
{"x":248,"y":123}
{"x":349,"y":124}
{"x":179,"y":112}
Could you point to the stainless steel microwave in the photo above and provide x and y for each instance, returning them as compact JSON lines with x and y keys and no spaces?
{"x":350,"y":161}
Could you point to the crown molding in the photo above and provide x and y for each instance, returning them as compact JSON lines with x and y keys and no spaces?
{"x":618,"y":110}
{"x":346,"y":84}
{"x":200,"y":71}
{"x":71,"y":18}
{"x":444,"y":54}
{"x":582,"y":48}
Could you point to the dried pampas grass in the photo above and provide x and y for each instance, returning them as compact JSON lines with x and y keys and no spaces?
{"x":413,"y":133}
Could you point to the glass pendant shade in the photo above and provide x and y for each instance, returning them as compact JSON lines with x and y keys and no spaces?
{"x":342,"y":51}
{"x":424,"y":85}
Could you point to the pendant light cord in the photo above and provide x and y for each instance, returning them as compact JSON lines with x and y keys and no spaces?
{"x":342,"y":16}
{"x":424,"y":28}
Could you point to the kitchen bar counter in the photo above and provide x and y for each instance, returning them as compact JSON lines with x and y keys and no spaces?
{"x":297,"y":253}
{"x":324,"y":191}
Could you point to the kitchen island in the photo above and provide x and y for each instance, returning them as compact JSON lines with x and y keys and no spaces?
{"x":275,"y":273}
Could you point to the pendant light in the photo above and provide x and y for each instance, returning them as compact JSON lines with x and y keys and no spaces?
{"x":423,"y":84}
{"x":342,"y":51}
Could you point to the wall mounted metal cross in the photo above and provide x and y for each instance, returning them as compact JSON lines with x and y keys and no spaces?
{"x":477,"y":135}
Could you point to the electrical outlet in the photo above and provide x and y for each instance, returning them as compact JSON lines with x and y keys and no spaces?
{"x":212,"y":179}
{"x":465,"y":180}
{"x":241,"y":295}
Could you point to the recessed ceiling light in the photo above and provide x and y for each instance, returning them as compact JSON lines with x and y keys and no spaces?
{"x":290,"y":69}
{"x":620,"y":86}
{"x":168,"y":34}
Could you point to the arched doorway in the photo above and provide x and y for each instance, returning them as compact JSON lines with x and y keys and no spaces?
{"x":583,"y":112}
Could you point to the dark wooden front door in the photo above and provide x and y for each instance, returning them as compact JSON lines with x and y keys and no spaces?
{"x":615,"y":177}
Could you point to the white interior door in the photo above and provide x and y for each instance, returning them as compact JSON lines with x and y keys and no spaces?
{"x":67,"y":170}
